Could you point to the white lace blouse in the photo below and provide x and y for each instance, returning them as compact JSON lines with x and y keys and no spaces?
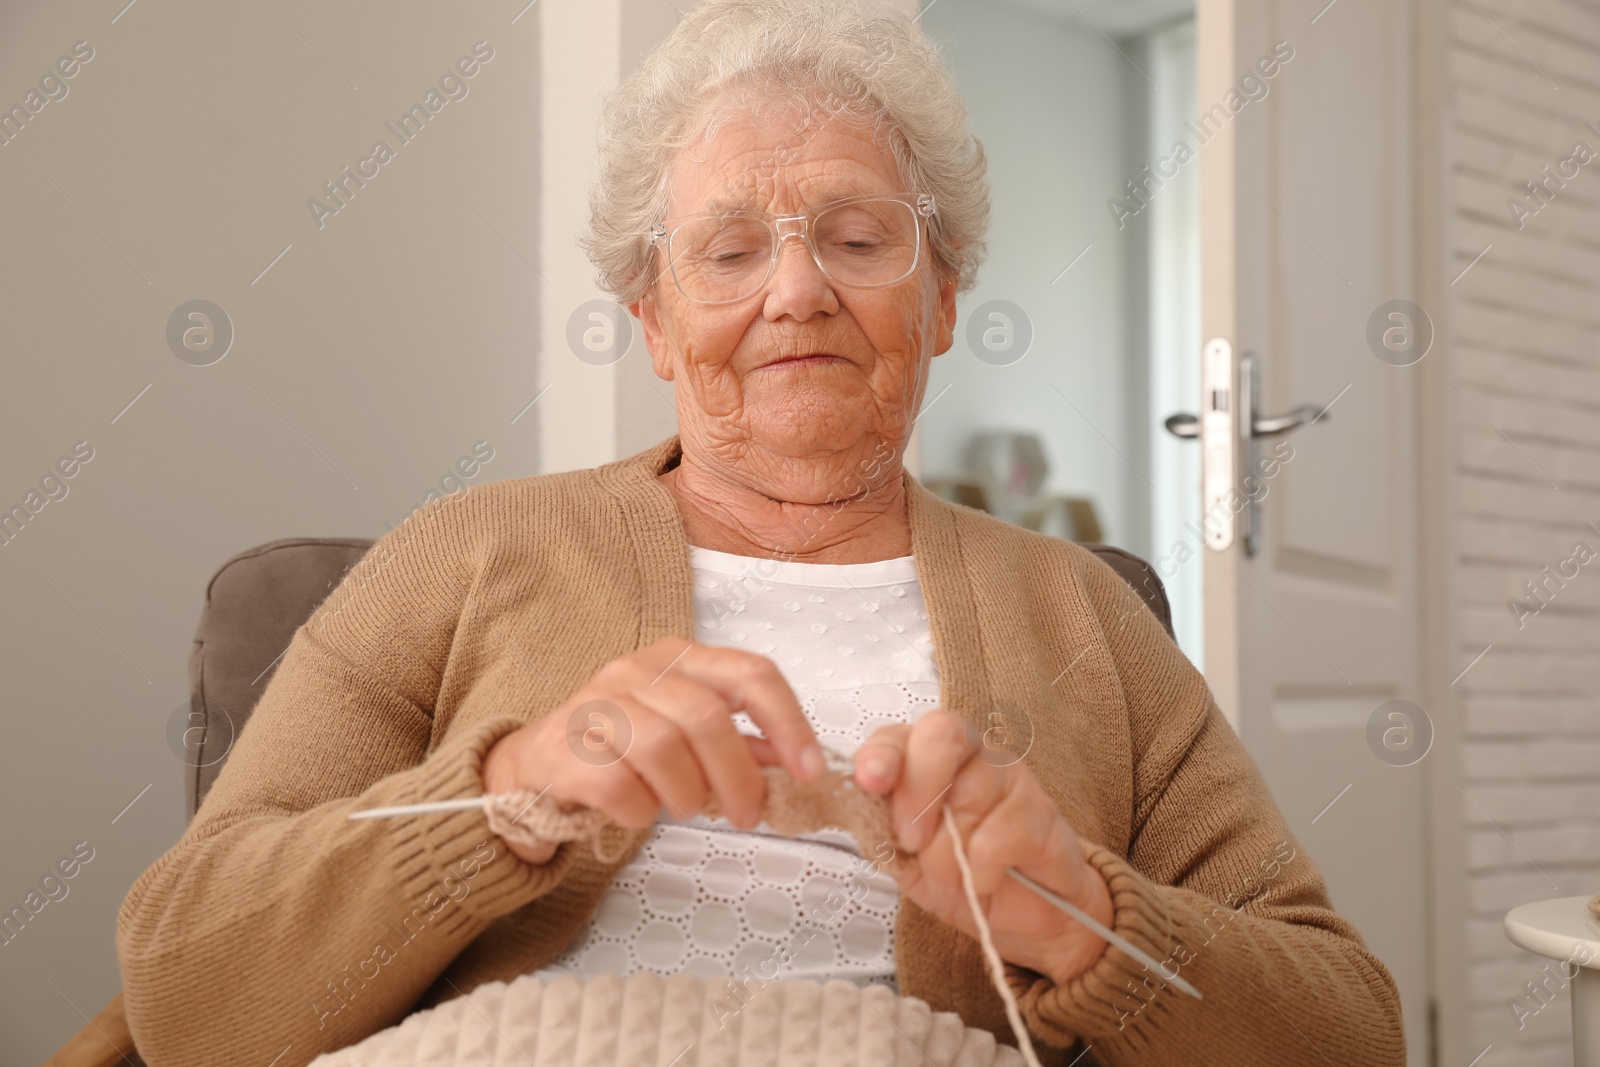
{"x":703,"y":897}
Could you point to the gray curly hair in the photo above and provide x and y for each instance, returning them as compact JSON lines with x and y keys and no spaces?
{"x":826,"y":57}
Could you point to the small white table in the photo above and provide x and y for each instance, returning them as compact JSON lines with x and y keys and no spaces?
{"x":1561,"y":930}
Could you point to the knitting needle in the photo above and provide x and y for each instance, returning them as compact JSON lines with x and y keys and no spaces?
{"x":837,"y":761}
{"x":1093,"y":924}
{"x":464,"y":804}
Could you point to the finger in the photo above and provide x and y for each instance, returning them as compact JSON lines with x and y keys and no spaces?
{"x":971,"y":797}
{"x":939,"y":745}
{"x":723,"y":757}
{"x":881,"y":757}
{"x":621,"y":794}
{"x":663,"y":757}
{"x":978,"y":786}
{"x":762,"y":750}
{"x":1017,"y":828}
{"x":613,"y":787}
{"x":753,"y":684}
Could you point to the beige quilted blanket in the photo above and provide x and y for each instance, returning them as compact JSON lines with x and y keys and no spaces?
{"x":646,"y":1020}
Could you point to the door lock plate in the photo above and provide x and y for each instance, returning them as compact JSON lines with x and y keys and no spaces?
{"x":1219,"y":438}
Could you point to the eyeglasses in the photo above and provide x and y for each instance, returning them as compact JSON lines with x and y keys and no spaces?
{"x":865,"y":242}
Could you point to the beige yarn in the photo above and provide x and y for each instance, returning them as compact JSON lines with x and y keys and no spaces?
{"x":646,"y":1020}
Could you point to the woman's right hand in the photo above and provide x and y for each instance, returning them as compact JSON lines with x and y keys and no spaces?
{"x":660,"y":732}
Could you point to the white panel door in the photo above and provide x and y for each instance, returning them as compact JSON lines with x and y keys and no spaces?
{"x":1305,"y":177}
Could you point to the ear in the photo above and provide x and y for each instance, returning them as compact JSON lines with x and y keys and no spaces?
{"x":647,"y":310}
{"x":946,"y":324}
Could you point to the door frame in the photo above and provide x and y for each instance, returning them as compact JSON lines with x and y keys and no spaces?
{"x":1432,"y":211}
{"x":1218,"y":252}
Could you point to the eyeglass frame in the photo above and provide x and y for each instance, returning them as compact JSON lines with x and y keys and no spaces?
{"x":922,"y":204}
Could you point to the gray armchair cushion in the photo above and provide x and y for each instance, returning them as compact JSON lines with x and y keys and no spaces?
{"x":254,"y":604}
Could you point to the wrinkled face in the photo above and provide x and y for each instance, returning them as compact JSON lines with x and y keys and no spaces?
{"x":798,"y":388}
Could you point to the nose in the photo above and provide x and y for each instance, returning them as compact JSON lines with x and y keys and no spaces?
{"x":798,"y":287}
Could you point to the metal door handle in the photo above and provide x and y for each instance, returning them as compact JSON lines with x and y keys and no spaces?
{"x":1185,"y":425}
{"x":1303,"y":415}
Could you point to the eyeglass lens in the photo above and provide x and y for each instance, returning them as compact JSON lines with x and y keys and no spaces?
{"x":728,"y":257}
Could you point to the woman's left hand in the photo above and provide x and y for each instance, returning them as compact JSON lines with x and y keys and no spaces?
{"x":1006,"y":820}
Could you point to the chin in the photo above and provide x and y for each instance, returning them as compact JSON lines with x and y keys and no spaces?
{"x":814,"y":441}
{"x":812,"y":406}
{"x":808,"y":442}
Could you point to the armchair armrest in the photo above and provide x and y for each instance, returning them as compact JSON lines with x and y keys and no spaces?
{"x":104,"y":1042}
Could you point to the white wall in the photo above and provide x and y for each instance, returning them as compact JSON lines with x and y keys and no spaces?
{"x":1048,"y":103}
{"x":1523,"y":336}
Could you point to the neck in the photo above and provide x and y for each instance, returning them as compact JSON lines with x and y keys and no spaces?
{"x":864,"y":520}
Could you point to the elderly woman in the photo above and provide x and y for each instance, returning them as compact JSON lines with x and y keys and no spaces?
{"x":644,"y":638}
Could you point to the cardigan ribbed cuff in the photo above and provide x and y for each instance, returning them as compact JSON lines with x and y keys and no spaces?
{"x":1118,"y":990}
{"x":435,"y":855}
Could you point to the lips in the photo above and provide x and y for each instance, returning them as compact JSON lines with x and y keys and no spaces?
{"x":804,"y":359}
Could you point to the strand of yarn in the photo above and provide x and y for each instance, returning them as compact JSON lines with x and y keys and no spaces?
{"x":997,"y":967}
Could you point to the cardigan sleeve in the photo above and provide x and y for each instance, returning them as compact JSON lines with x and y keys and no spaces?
{"x":1216,"y":889}
{"x":276,"y":926}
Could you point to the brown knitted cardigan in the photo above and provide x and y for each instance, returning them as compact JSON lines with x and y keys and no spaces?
{"x":276,"y":926}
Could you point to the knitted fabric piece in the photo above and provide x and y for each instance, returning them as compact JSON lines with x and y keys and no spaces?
{"x":646,"y":1020}
{"x":792,"y":807}
{"x":524,"y":818}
